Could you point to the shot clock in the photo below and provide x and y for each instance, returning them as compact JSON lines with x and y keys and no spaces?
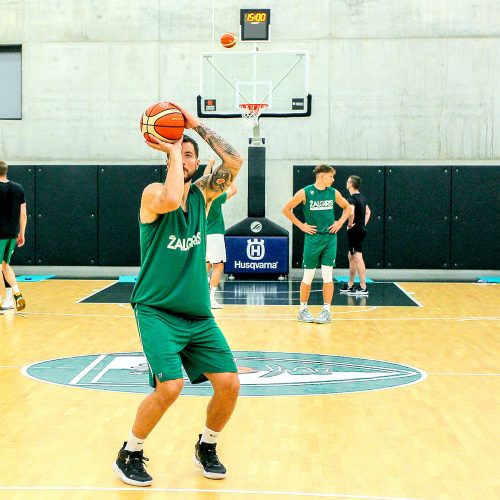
{"x":255,"y":25}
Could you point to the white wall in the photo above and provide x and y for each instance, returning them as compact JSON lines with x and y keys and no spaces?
{"x":392,"y":80}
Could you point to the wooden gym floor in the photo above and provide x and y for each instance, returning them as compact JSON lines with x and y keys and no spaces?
{"x":435,"y":439}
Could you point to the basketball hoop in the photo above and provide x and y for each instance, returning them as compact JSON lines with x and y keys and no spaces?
{"x":251,"y":112}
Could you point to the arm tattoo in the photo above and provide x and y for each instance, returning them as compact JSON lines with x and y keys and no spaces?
{"x":216,"y":183}
{"x":220,"y":179}
{"x":216,"y":142}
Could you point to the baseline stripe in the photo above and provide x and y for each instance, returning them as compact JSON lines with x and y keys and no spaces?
{"x":199,"y":490}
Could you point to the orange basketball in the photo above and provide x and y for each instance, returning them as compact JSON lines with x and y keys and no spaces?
{"x":228,"y":39}
{"x":163,"y":121}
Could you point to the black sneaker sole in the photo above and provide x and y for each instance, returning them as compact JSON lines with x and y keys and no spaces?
{"x":345,"y":291}
{"x":209,"y":475}
{"x":126,"y":480}
{"x":20,"y":304}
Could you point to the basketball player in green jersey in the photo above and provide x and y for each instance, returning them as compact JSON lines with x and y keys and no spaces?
{"x":171,"y":301}
{"x":320,"y":244}
{"x":216,"y":247}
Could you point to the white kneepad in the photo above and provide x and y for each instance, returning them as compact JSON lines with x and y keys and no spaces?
{"x":308,"y":276}
{"x":327,"y":273}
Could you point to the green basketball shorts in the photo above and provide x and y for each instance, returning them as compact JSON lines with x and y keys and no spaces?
{"x":319,"y":249}
{"x":171,"y":342}
{"x":7,"y":248}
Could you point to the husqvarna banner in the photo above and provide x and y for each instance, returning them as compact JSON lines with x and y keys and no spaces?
{"x":250,"y":254}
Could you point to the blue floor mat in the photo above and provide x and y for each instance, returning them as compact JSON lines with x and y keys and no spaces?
{"x":345,"y":279}
{"x":33,"y":278}
{"x":488,"y":279}
{"x":127,"y":279}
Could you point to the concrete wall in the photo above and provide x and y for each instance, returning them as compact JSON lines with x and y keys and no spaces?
{"x":403,"y":81}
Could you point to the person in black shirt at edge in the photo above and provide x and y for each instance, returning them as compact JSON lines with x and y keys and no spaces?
{"x":356,"y":233}
{"x":12,"y":227}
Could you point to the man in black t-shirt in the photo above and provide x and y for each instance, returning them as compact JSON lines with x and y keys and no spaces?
{"x":12,"y":227}
{"x":356,"y":233}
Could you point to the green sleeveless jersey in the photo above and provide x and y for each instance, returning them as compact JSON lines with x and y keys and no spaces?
{"x":215,"y":220}
{"x":319,"y":208}
{"x":173,"y":274}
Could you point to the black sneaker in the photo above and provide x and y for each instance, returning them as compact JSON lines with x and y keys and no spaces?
{"x":129,"y":467}
{"x":20,"y":302}
{"x":205,"y":458}
{"x":359,"y":291}
{"x":345,"y":288}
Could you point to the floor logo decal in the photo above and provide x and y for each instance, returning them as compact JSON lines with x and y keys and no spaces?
{"x":261,"y":374}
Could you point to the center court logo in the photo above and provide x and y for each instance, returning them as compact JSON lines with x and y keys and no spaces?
{"x":261,"y":374}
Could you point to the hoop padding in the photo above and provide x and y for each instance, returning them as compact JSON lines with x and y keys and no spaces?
{"x":251,"y":112}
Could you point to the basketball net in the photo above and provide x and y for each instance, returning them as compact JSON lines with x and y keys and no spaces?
{"x":251,"y":113}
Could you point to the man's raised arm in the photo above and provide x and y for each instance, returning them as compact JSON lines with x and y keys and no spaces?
{"x":221,"y":178}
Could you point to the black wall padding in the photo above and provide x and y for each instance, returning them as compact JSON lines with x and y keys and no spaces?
{"x":119,"y":198}
{"x":417,"y":217}
{"x":66,"y":215}
{"x":25,"y":175}
{"x":373,"y":187}
{"x":475,"y":217}
{"x":256,"y":181}
{"x":302,"y":176}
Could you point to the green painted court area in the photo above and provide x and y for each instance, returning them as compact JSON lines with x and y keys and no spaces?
{"x":275,"y":293}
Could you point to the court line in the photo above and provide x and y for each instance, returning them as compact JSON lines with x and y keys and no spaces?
{"x":416,"y":318}
{"x":200,"y":490}
{"x":451,"y":374}
{"x":475,"y":318}
{"x":96,"y":291}
{"x":372,"y":308}
{"x":126,"y":305}
{"x":408,"y":294}
{"x":292,"y":317}
{"x":76,"y":315}
{"x":84,"y":372}
{"x":466,"y":374}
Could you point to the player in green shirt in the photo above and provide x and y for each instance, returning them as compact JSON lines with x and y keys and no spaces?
{"x":171,"y":302}
{"x":216,"y":247}
{"x":320,"y":243}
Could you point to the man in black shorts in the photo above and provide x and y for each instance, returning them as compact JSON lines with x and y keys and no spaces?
{"x":356,"y":233}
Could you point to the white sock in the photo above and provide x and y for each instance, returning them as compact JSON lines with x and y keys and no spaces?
{"x":213,"y":289}
{"x":208,"y":436}
{"x":15,"y":289}
{"x":8,"y":293}
{"x":326,"y":307}
{"x":134,"y":443}
{"x":303,"y":305}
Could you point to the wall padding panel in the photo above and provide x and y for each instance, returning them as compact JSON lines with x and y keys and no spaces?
{"x":475,"y":217}
{"x":417,"y":217}
{"x":120,"y":190}
{"x":372,"y":186}
{"x":25,"y":175}
{"x":66,"y":215}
